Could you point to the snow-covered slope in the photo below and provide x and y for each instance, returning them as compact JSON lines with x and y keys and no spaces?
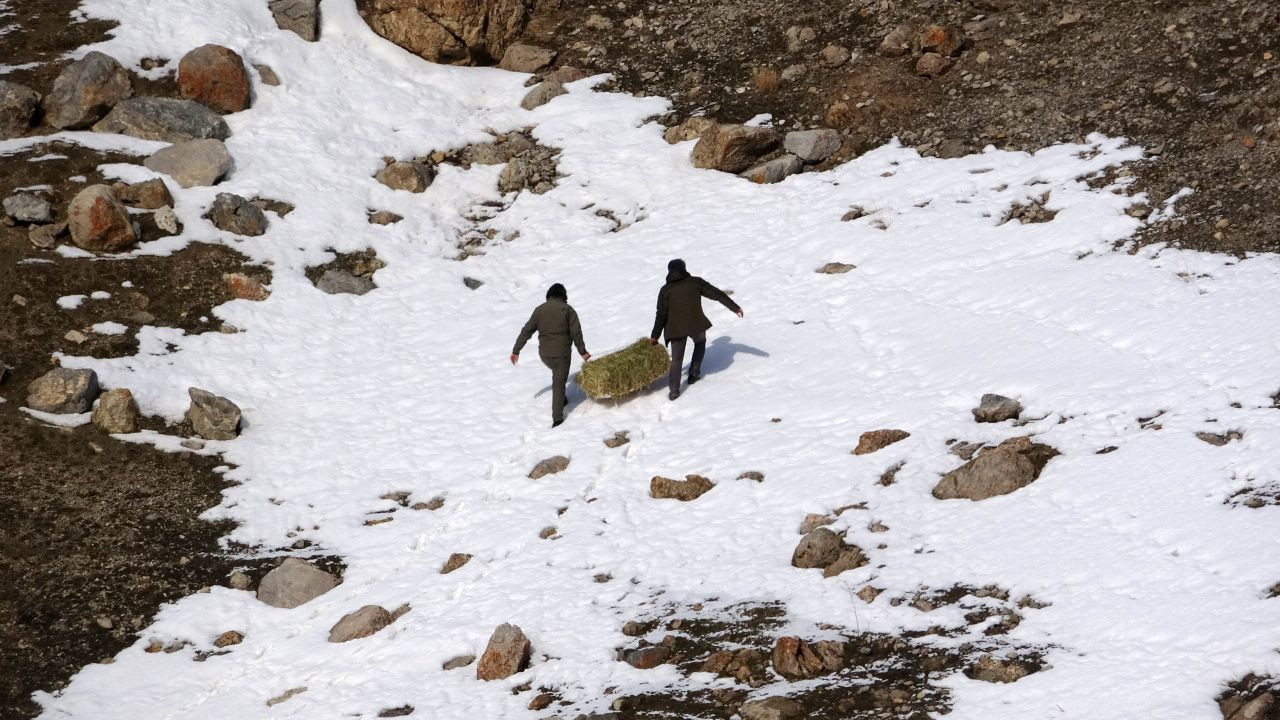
{"x":1157,"y":586}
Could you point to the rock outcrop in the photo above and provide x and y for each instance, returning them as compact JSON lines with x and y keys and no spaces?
{"x":1011,"y":465}
{"x":468,"y":32}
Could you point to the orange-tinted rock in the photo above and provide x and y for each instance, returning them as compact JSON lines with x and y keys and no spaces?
{"x":215,"y":77}
{"x":99,"y":222}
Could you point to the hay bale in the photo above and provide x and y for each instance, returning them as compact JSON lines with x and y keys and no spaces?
{"x":624,"y":372}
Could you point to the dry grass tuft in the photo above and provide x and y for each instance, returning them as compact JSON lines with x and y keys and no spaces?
{"x":766,"y":79}
{"x":624,"y":372}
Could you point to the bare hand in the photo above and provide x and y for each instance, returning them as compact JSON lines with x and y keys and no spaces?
{"x":514,"y":358}
{"x":653,"y":341}
{"x":739,"y":312}
{"x":586,"y":357}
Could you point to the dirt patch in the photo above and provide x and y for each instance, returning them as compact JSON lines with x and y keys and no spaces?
{"x":1197,"y":86}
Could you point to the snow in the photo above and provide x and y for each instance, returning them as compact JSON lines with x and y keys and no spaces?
{"x":60,"y":419}
{"x":71,"y":302}
{"x":1157,"y":587}
{"x":100,"y":295}
{"x":109,"y":328}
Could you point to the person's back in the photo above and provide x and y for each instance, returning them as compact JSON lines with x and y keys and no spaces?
{"x":558,"y":330}
{"x":680,"y":318}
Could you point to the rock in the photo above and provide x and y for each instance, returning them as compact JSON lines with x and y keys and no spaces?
{"x":85,"y":91}
{"x":515,"y":176}
{"x":446,"y":31}
{"x":1219,"y":439}
{"x":301,"y":17}
{"x":795,"y":659}
{"x":691,"y":488}
{"x":28,"y":208}
{"x":164,"y":119}
{"x":774,"y":708}
{"x":193,"y":163}
{"x":834,"y":55}
{"x":63,"y":391}
{"x":813,"y":521}
{"x":267,"y":75}
{"x":1259,"y":708}
{"x":965,"y":451}
{"x":234,"y":214}
{"x":793,"y":72}
{"x":526,"y":58}
{"x":868,"y":594}
{"x":472,"y":283}
{"x":941,"y":39}
{"x":647,"y":658}
{"x":691,"y":128}
{"x":933,"y":65}
{"x":285,"y":696}
{"x":412,"y":177}
{"x":384,"y":217}
{"x":294,"y":582}
{"x":46,"y":236}
{"x":360,"y":624}
{"x":818,"y":549}
{"x":337,"y":282}
{"x":18,"y":105}
{"x":76,"y":337}
{"x":732,"y":148}
{"x":996,"y":408}
{"x":875,"y":440}
{"x":228,"y":638}
{"x":116,"y":412}
{"x":835,"y":268}
{"x":1013,"y":464}
{"x":166,"y":219}
{"x":897,"y":43}
{"x":550,"y":466}
{"x":506,"y":654}
{"x":812,"y":146}
{"x":149,"y":195}
{"x":567,"y":74}
{"x":214,"y":76}
{"x":211,"y":416}
{"x":775,"y":170}
{"x":243,"y":287}
{"x":543,"y":93}
{"x":798,"y":37}
{"x":992,"y":669}
{"x":99,"y":222}
{"x":753,"y":475}
{"x":239,"y":580}
{"x":460,"y":661}
{"x":850,"y":557}
{"x":454,"y":562}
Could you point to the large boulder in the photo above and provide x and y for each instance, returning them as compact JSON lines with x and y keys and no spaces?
{"x":164,"y":119}
{"x":28,"y":208}
{"x":340,"y":282}
{"x":461,"y":32}
{"x":795,"y":659}
{"x":85,"y":91}
{"x":772,"y":708}
{"x":996,"y":408}
{"x":360,"y":624}
{"x":1011,"y":465}
{"x":506,"y":654}
{"x":63,"y":391}
{"x":18,"y":105}
{"x":298,"y":16}
{"x":874,"y":440}
{"x":294,"y":582}
{"x":812,"y":145}
{"x":691,"y":488}
{"x":192,"y":163}
{"x":775,"y":170}
{"x":211,"y":416}
{"x":822,"y":548}
{"x":116,"y":412}
{"x":235,"y":214}
{"x":732,"y":148}
{"x":214,"y":76}
{"x":99,"y":222}
{"x":408,"y":176}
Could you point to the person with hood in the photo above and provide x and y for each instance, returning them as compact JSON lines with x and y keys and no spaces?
{"x":556,"y":323}
{"x":680,"y":319}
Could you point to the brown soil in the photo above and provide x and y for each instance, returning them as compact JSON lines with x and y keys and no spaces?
{"x":1196,"y":83}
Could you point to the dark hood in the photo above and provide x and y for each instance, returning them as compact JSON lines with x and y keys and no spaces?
{"x":676,"y":271}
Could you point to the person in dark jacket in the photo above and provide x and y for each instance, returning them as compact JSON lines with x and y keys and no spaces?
{"x":558,"y":330}
{"x":680,"y":319}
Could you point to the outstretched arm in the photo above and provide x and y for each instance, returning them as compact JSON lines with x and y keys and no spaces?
{"x":660,"y":317}
{"x":714,"y":293}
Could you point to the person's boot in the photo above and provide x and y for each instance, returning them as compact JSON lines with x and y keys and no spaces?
{"x":557,"y":423}
{"x":673,"y":394}
{"x":694,"y":376}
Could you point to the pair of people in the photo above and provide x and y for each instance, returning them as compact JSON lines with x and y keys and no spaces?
{"x":679,"y":318}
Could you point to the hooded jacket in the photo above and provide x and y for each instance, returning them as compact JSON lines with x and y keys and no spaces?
{"x":556,"y":323}
{"x":680,"y":305}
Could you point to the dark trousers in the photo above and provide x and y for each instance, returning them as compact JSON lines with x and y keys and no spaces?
{"x":559,"y":378}
{"x":677,"y":359}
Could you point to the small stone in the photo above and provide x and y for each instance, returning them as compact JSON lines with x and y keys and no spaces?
{"x":851,"y":557}
{"x":360,"y":624}
{"x":897,"y":43}
{"x":933,"y":65}
{"x":18,"y":105}
{"x":812,"y":146}
{"x":992,"y":669}
{"x":506,"y":654}
{"x":243,"y":287}
{"x":166,"y":219}
{"x":285,"y":696}
{"x":834,"y":55}
{"x":541,"y":701}
{"x":213,"y":417}
{"x":691,"y":488}
{"x":337,"y":281}
{"x":691,"y":128}
{"x":117,"y":412}
{"x":774,"y":708}
{"x":550,"y":466}
{"x":567,"y":74}
{"x":647,"y":658}
{"x":85,"y":91}
{"x":868,"y":594}
{"x":817,"y":549}
{"x":795,"y":659}
{"x":46,"y":236}
{"x":631,"y":628}
{"x":472,"y":283}
{"x":214,"y":76}
{"x":874,"y":440}
{"x":234,"y":214}
{"x":941,"y":40}
{"x":99,"y":222}
{"x":547,"y":533}
{"x":63,"y":391}
{"x":76,"y":337}
{"x":228,"y":638}
{"x":813,"y":521}
{"x":460,"y":661}
{"x":775,"y":170}
{"x":983,"y":58}
{"x":293,"y":583}
{"x":267,"y":75}
{"x":543,"y":93}
{"x":996,"y":408}
{"x":192,"y":444}
{"x":149,"y":195}
{"x":407,"y":176}
{"x":301,"y":17}
{"x":164,"y":119}
{"x":526,"y":58}
{"x":105,"y":623}
{"x":798,"y":37}
{"x":239,"y":580}
{"x":454,"y":562}
{"x":384,"y":217}
{"x":793,"y":72}
{"x":835,"y":268}
{"x":753,"y":475}
{"x":193,"y":163}
{"x":28,"y":208}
